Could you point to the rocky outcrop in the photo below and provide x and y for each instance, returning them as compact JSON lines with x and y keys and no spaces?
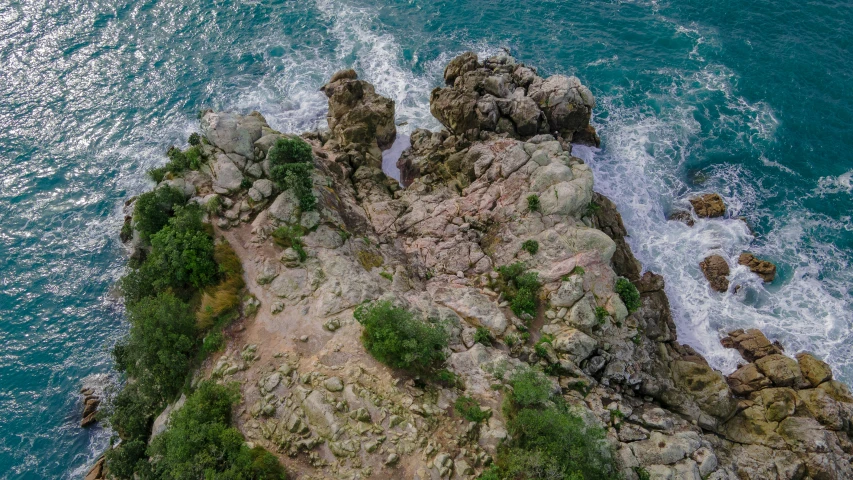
{"x":360,"y":120}
{"x":762,"y":268}
{"x":716,"y":271}
{"x":710,"y":205}
{"x":504,"y":96}
{"x":98,"y":471}
{"x":312,"y":394}
{"x":92,"y":396}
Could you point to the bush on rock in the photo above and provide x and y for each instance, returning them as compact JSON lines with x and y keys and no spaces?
{"x":291,"y":166}
{"x":395,"y":337}
{"x":628,"y":293}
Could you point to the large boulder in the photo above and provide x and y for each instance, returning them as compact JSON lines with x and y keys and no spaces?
{"x":709,"y":205}
{"x":707,"y":387}
{"x":460,"y":65}
{"x":815,"y":371}
{"x":751,"y":343}
{"x":233,"y":133}
{"x":716,"y":271}
{"x":357,"y":114}
{"x":227,"y":177}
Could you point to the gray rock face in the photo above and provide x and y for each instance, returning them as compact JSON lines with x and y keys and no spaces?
{"x":227,"y":177}
{"x":285,"y":208}
{"x":567,"y":103}
{"x":233,"y":133}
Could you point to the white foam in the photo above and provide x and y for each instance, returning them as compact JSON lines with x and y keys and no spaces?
{"x":390,"y":156}
{"x":640,"y":167}
{"x":832,"y":185}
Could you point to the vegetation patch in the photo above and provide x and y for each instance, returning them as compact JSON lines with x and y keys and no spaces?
{"x":221,"y":302}
{"x":395,"y":337}
{"x":201,"y":442}
{"x":533,"y":203}
{"x":179,"y":162}
{"x":470,"y":410}
{"x":152,"y":210}
{"x":483,"y":335}
{"x":628,"y":293}
{"x":292,"y":166}
{"x":547,"y":438}
{"x":519,"y":287}
{"x":290,"y":236}
{"x":601,"y":315}
{"x":530,"y":246}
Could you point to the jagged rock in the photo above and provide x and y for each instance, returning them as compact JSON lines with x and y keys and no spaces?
{"x":747,"y":379}
{"x":815,"y":371}
{"x":97,"y":471}
{"x":575,"y":344}
{"x":781,"y":370}
{"x":716,"y":271}
{"x":357,"y":114}
{"x":162,"y":421}
{"x":567,"y":103}
{"x":751,"y":343}
{"x":762,"y":268}
{"x":709,"y":205}
{"x":661,"y":449}
{"x":264,"y":187}
{"x":460,"y":65}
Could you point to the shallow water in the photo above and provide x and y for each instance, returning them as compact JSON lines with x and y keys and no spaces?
{"x":750,"y":100}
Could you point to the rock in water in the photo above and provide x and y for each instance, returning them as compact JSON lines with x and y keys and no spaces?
{"x":762,"y":268}
{"x":710,"y":205}
{"x":716,"y":270}
{"x":358,"y":116}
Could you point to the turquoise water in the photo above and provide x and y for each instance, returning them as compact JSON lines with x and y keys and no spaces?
{"x":749,"y":99}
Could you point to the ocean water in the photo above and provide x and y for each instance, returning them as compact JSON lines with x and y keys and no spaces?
{"x":749,"y":99}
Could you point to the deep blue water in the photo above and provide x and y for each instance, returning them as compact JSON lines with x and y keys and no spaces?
{"x":751,"y":99}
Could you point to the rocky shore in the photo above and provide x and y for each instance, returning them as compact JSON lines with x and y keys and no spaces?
{"x":500,"y":176}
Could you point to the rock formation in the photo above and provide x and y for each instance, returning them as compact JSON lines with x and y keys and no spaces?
{"x":716,"y":271}
{"x":310,"y":391}
{"x":709,"y":205}
{"x":762,"y":268}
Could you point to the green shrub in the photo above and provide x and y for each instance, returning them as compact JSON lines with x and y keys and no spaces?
{"x":291,"y":166}
{"x":539,"y":348}
{"x":601,"y":315}
{"x":628,"y":293}
{"x":182,"y":252}
{"x":529,"y":388}
{"x":482,"y":335}
{"x":642,"y":473}
{"x":396,"y":338}
{"x":386,"y":275}
{"x":213,"y":342}
{"x":195,"y":139}
{"x":213,"y":205}
{"x":153,"y":209}
{"x":221,"y":302}
{"x":291,"y":236}
{"x":470,"y":410}
{"x":201,"y":443}
{"x":533,"y":203}
{"x":161,"y":341}
{"x":194,"y":158}
{"x":530,"y":246}
{"x":547,"y":439}
{"x":519,"y":287}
